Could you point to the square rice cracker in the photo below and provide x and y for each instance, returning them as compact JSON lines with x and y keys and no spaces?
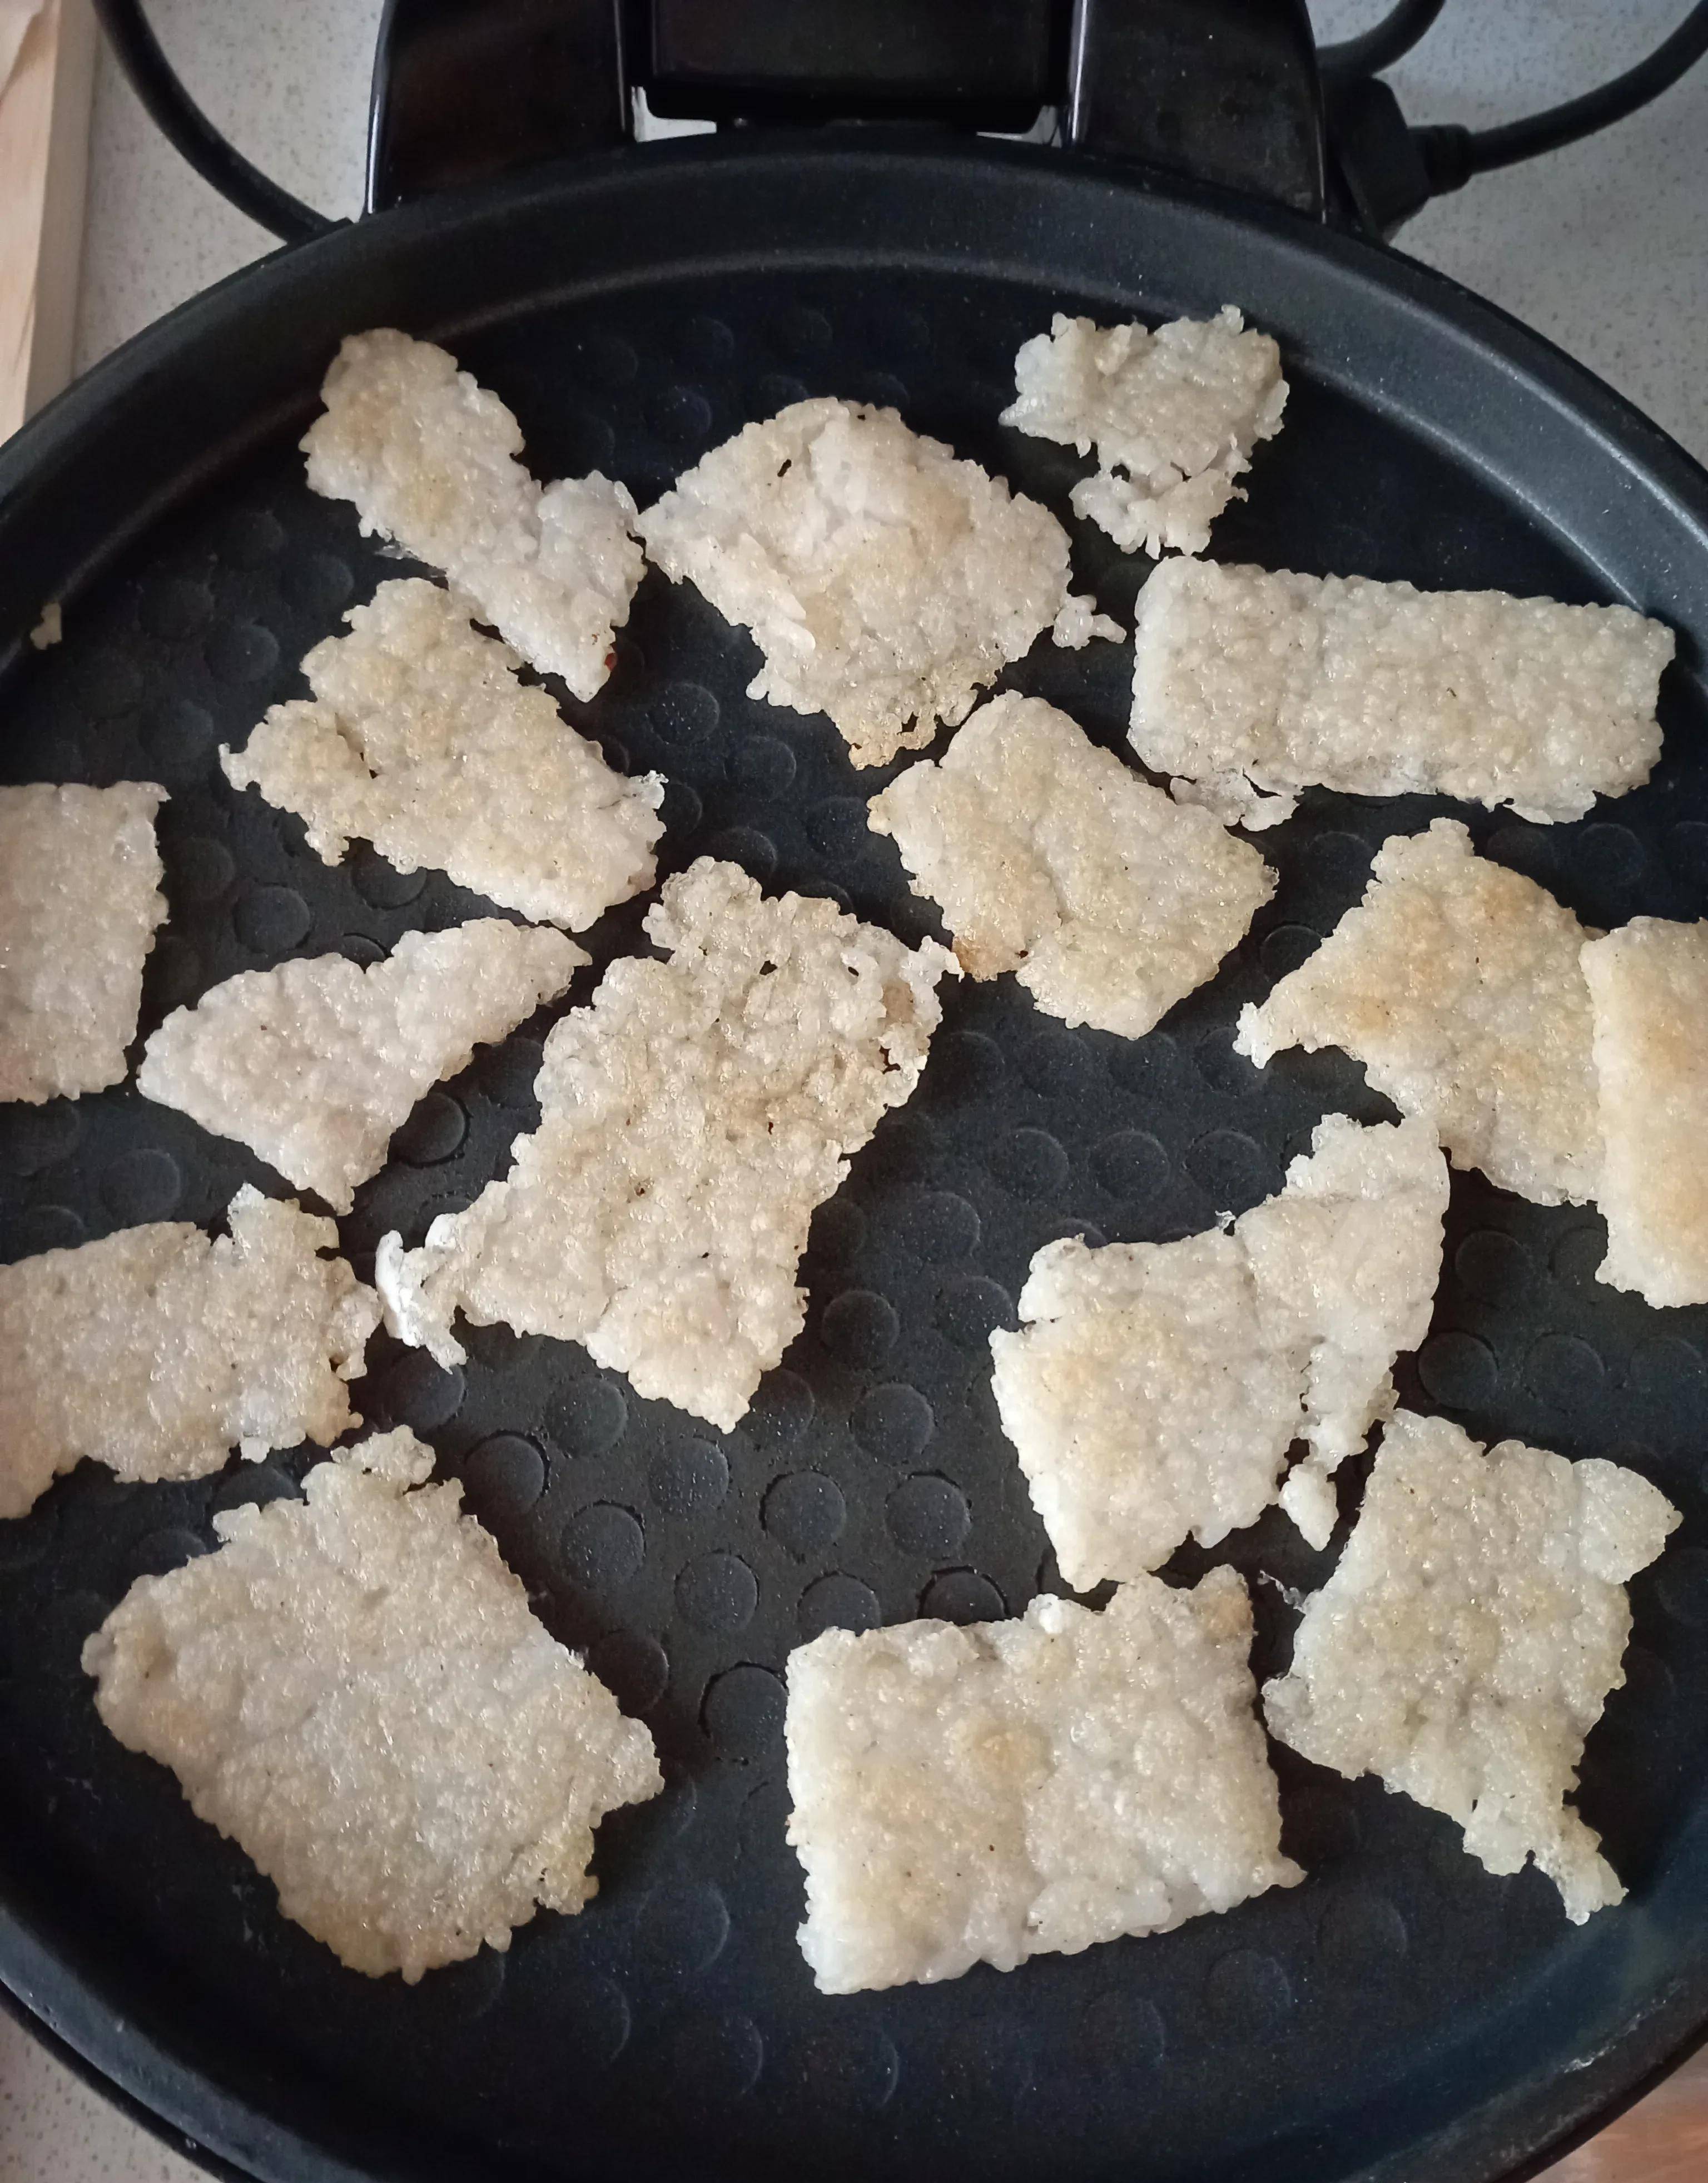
{"x":1466,"y":1642}
{"x":986,"y":1794}
{"x":79,"y":905}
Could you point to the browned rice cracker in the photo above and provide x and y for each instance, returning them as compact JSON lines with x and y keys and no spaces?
{"x":1466,"y":1642}
{"x":355,"y":1690}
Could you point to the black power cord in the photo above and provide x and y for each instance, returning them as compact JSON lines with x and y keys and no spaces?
{"x":187,"y":127}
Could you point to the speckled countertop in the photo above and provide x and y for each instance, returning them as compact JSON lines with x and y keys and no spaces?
{"x":1603,"y":248}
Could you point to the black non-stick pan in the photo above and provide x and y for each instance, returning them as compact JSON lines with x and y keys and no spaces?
{"x":1402,"y":2015}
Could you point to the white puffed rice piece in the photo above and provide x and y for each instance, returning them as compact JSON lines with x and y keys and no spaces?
{"x":692,"y":1117}
{"x":1457,"y":984}
{"x":1014,"y":1789}
{"x":884,"y":580}
{"x":314,"y":1065}
{"x":79,"y":904}
{"x":1173,"y":416}
{"x":354,"y":1689}
{"x":428,"y":457}
{"x":1154,"y":1389}
{"x":420,"y":740}
{"x":156,"y":1351}
{"x":1252,"y":684}
{"x":1109,"y":901}
{"x":1465,"y":1643}
{"x":1649,"y":994}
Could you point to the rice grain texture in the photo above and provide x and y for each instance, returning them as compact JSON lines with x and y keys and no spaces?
{"x":354,"y":1690}
{"x":156,"y":1351}
{"x":1250,"y":685}
{"x":885,"y":582}
{"x":314,"y":1065}
{"x":429,"y":459}
{"x":79,"y":905}
{"x":1457,"y":984}
{"x":1153,"y":1389}
{"x":1051,"y":859}
{"x":420,"y":740}
{"x":1649,"y":994}
{"x":1466,"y":1642}
{"x":692,"y":1117}
{"x":1173,"y":416}
{"x":1014,"y":1789}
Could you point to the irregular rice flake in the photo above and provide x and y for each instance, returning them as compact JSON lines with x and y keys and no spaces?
{"x":428,"y":457}
{"x":1649,"y":994}
{"x":1457,"y":984}
{"x":1154,"y":1389}
{"x":1024,"y":1788}
{"x":692,"y":1117}
{"x":51,"y":629}
{"x":1467,"y":1642}
{"x":885,"y":582}
{"x":421,"y":740}
{"x":1254,"y":684}
{"x":157,"y":1352}
{"x":79,"y":904}
{"x":314,"y":1064}
{"x":1174,"y":415}
{"x":1053,"y":859}
{"x":354,"y":1689}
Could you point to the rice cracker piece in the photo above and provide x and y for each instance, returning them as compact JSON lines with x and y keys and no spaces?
{"x":884,"y":580}
{"x":1457,"y":984}
{"x":420,"y":740}
{"x":429,"y":458}
{"x":1173,"y":416}
{"x":1014,"y":1789}
{"x":1649,"y":998}
{"x":692,"y":1117}
{"x":159,"y":1350}
{"x":1250,"y":685}
{"x":314,"y":1065}
{"x":1469,"y":1636}
{"x":1109,"y":901}
{"x":79,"y":905}
{"x":354,"y":1689}
{"x":1153,"y":1390}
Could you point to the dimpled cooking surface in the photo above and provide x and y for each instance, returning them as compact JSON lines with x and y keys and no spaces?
{"x":675,"y":2019}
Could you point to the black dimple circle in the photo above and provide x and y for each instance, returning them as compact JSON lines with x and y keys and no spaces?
{"x":1341,"y":861}
{"x":592,"y":2019}
{"x":605,"y":360}
{"x":838,"y":1231}
{"x":1122,"y":2034}
{"x":859,"y":1328}
{"x":706,"y":341}
{"x":927,"y":1514}
{"x":251,"y":537}
{"x":1059,"y":1064}
{"x":714,"y":2059}
{"x":588,"y":1417}
{"x":174,"y":609}
{"x":1649,"y":1685}
{"x":1668,"y":1370}
{"x":964,"y":1064}
{"x":603,"y":1546}
{"x":969,"y":1311}
{"x":681,"y":811}
{"x":380,"y":883}
{"x":198,"y":871}
{"x":850,"y":2070}
{"x":742,"y":1710}
{"x":717,"y":1592}
{"x":509,"y":1071}
{"x":240,"y":652}
{"x":1494,"y":1267}
{"x":270,"y":920}
{"x":1234,"y":1171}
{"x":421,"y":1394}
{"x":781,"y":1412}
{"x":682,"y":1927}
{"x":251,"y":1485}
{"x":50,"y":1228}
{"x":1687,"y":850}
{"x":804,"y":1512}
{"x":359,"y":949}
{"x":942,"y":1227}
{"x":1683,"y":1586}
{"x":584,"y":443}
{"x":688,"y":1479}
{"x":1030,"y":1163}
{"x":837,"y":829}
{"x":756,"y":852}
{"x":763,"y":766}
{"x":684,"y":709}
{"x":34,"y":1138}
{"x":158,"y":1552}
{"x":107,"y":683}
{"x":1458,"y":1369}
{"x":504,"y":1477}
{"x":802,"y":331}
{"x":1575,"y":1259}
{"x":1132,"y":1164}
{"x":633,"y":1667}
{"x":1608,"y":854}
{"x":432,"y":1133}
{"x":1220,"y":1068}
{"x":318,"y":583}
{"x":1286,"y":948}
{"x":145,"y":1185}
{"x":683,"y":415}
{"x":776,"y":391}
{"x":1246,"y":1994}
{"x":1362,"y":1938}
{"x":1148,"y":1066}
{"x":1564,"y":1373}
{"x":178,"y":734}
{"x":961,"y":1595}
{"x":838,"y":1602}
{"x":1524,"y":849}
{"x":176,"y":975}
{"x":893,"y":1423}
